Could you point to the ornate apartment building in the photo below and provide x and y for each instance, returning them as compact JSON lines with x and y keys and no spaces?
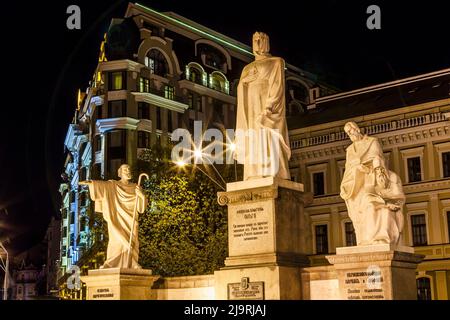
{"x":411,"y":119}
{"x":156,"y":72}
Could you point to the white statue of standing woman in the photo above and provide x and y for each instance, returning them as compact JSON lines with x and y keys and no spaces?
{"x":118,"y":200}
{"x":262,"y":142}
{"x":373,"y":194}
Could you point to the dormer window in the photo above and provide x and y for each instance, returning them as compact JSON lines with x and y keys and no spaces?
{"x":212,"y":58}
{"x":157,"y":63}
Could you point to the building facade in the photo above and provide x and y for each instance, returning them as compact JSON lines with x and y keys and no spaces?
{"x":156,"y":72}
{"x":411,"y":119}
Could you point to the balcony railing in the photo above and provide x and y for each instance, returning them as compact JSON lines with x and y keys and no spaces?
{"x":163,"y":94}
{"x":209,"y":85}
{"x":372,"y":129}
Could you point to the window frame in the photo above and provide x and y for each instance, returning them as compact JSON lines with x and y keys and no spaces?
{"x":316,"y":168}
{"x":111,"y":83}
{"x":442,"y":148}
{"x":411,"y":234}
{"x":318,"y":224}
{"x":413,"y":153}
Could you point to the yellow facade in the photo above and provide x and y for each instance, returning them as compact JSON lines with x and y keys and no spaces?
{"x":416,"y":131}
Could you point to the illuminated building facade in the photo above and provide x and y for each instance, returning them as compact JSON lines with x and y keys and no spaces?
{"x":411,"y":119}
{"x":156,"y":72}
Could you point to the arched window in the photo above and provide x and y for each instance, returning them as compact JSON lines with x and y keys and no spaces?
{"x":157,"y":63}
{"x":212,"y":57}
{"x":423,"y":288}
{"x":195,"y":73}
{"x":218,"y":81}
{"x":296,"y":91}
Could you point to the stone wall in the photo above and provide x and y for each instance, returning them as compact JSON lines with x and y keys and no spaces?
{"x":184,"y":288}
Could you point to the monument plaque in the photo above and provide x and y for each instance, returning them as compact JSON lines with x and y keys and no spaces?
{"x":251,"y":228}
{"x":246,"y":290}
{"x":364,"y":284}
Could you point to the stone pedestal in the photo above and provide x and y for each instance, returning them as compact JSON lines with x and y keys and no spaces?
{"x":268,"y":240}
{"x":119,"y":284}
{"x":376,"y":272}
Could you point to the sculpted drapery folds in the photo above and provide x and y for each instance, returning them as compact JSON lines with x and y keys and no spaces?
{"x":116,"y":200}
{"x":373,"y":194}
{"x":262,"y":142}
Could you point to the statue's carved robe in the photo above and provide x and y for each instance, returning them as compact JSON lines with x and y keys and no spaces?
{"x":366,"y":200}
{"x":116,"y":201}
{"x":264,"y":152}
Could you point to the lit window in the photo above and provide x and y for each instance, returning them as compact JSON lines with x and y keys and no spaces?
{"x":190,"y":100}
{"x":144,"y":85}
{"x":423,"y":288}
{"x":117,"y":109}
{"x":169,"y":92}
{"x":350,"y":236}
{"x":116,"y":138}
{"x":158,"y":118}
{"x":318,"y":183}
{"x":117,"y":80}
{"x":414,"y":170}
{"x":98,"y":111}
{"x":419,"y":230}
{"x":98,"y":143}
{"x":446,"y":164}
{"x":448,"y":224}
{"x":157,"y":63}
{"x":169,"y":121}
{"x":143,"y":139}
{"x":199,"y":103}
{"x":143,"y":110}
{"x":322,"y":239}
{"x":218,"y":82}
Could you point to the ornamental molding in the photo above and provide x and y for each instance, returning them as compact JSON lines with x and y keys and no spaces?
{"x":118,"y":65}
{"x":401,"y":138}
{"x":159,"y":101}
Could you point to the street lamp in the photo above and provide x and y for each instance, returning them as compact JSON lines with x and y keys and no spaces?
{"x":6,"y":268}
{"x":182,"y":164}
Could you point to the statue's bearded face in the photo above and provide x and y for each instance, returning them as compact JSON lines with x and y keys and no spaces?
{"x":353,"y":133}
{"x":125,"y":172}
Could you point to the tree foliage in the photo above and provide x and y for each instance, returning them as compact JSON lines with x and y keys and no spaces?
{"x":184,"y":230}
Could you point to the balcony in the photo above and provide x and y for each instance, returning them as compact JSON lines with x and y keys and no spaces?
{"x":158,"y":98}
{"x":224,"y":96}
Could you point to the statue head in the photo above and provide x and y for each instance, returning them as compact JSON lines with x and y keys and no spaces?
{"x":261,"y":46}
{"x":124,"y":172}
{"x":353,"y":131}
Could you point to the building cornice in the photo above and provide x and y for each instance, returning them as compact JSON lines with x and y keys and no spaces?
{"x":159,"y":101}
{"x":414,"y":189}
{"x":385,"y":85}
{"x":124,"y":64}
{"x":413,"y":131}
{"x":104,"y":125}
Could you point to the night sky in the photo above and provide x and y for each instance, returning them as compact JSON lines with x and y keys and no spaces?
{"x":44,"y":64}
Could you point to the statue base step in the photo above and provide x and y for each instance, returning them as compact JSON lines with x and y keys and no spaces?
{"x":376,"y":272}
{"x":119,"y":284}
